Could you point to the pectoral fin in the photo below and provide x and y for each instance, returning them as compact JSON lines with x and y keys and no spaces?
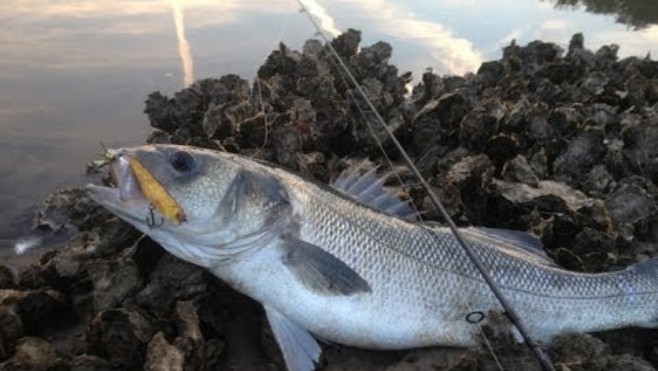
{"x":299,"y":348}
{"x":321,"y":271}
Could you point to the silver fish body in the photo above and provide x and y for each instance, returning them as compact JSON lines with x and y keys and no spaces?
{"x":324,"y":264}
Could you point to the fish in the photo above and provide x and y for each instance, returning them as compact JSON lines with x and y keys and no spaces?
{"x":345,"y":263}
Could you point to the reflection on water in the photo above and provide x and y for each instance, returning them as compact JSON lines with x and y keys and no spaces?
{"x":636,"y":13}
{"x":183,"y":46}
{"x":76,"y":72}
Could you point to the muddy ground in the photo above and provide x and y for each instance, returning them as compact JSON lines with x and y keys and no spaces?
{"x":558,"y":142}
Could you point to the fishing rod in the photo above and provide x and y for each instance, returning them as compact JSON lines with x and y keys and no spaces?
{"x":541,"y":356}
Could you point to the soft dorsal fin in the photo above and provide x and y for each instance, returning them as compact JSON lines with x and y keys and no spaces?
{"x":368,"y":188}
{"x":517,"y":242}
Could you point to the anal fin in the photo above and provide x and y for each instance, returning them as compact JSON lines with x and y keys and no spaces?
{"x":300,"y":349}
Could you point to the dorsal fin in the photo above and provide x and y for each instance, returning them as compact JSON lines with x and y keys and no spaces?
{"x":517,"y":242}
{"x":368,"y":189}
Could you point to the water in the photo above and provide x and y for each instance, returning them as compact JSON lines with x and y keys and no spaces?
{"x":74,"y":73}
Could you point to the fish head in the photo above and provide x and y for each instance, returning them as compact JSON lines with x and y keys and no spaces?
{"x":203,"y":206}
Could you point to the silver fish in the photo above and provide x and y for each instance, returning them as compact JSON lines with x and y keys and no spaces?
{"x":334,"y":266}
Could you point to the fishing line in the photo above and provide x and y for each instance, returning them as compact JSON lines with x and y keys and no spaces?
{"x":388,"y":159}
{"x":261,"y":103}
{"x":487,"y":343}
{"x":509,"y":310}
{"x":262,"y":109}
{"x":474,"y":317}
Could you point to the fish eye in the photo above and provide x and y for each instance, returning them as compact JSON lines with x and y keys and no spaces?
{"x":182,"y":161}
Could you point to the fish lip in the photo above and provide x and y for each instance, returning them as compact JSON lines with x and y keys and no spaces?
{"x":124,"y":176}
{"x":126,"y":199}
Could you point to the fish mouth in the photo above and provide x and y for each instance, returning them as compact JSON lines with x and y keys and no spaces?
{"x":125,"y":197}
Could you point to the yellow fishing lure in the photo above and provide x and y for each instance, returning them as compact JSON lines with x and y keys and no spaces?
{"x":156,"y":193}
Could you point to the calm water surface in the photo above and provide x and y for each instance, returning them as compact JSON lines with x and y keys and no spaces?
{"x":76,"y":72}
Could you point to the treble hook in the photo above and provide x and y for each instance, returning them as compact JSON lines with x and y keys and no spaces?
{"x":150,"y":219}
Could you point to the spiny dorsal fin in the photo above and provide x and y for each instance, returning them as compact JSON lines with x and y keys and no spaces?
{"x":368,"y":188}
{"x":517,"y":242}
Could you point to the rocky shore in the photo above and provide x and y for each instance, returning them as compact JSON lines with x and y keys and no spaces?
{"x":558,"y":142}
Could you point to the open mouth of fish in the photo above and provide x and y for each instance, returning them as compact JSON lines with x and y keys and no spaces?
{"x":124,"y":179}
{"x":136,"y":188}
{"x":125,"y":196}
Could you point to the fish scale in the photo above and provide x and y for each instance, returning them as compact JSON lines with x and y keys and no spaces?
{"x":341,"y":268}
{"x":534,"y":290}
